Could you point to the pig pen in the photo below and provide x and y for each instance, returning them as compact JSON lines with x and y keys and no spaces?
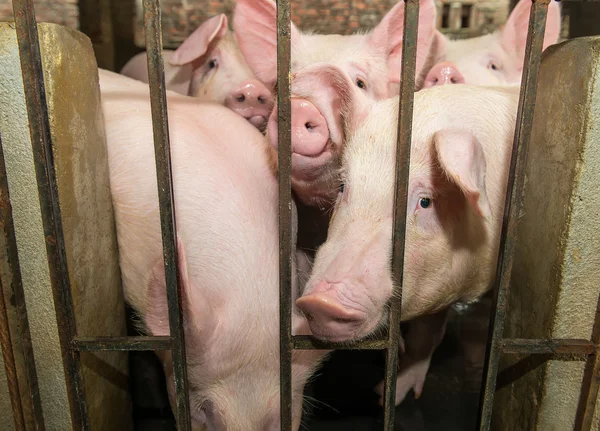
{"x":459,"y":392}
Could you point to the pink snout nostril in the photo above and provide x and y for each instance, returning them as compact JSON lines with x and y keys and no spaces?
{"x":252,"y":100}
{"x":328,"y":318}
{"x":309,"y":129}
{"x":443,"y":73}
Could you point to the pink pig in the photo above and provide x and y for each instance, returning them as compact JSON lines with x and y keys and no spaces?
{"x":458,"y":174}
{"x":209,"y":65}
{"x":371,"y":61}
{"x":493,"y":59}
{"x":230,"y":308}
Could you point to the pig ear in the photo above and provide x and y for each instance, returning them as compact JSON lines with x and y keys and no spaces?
{"x":196,"y":45}
{"x":255,"y":25}
{"x":157,"y":315}
{"x":461,"y":157}
{"x":513,"y":36}
{"x":387,"y":37}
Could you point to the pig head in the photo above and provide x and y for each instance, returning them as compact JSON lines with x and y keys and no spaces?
{"x":371,"y":62}
{"x":459,"y":164}
{"x":209,"y":65}
{"x":494,"y":59}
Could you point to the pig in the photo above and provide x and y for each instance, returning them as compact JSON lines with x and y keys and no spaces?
{"x":493,"y":59}
{"x":372,"y":61}
{"x":228,"y":253}
{"x":458,"y":176}
{"x":209,"y":65}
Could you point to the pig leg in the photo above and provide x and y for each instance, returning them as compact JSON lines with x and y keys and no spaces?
{"x":422,"y":338}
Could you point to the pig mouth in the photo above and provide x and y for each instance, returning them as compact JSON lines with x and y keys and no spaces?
{"x":310,"y":168}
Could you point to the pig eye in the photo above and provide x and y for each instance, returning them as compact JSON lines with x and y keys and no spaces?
{"x":424,"y":203}
{"x":493,"y":65}
{"x":361,"y":84}
{"x":212,"y":63}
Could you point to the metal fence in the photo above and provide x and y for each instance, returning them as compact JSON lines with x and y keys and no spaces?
{"x":72,"y":345}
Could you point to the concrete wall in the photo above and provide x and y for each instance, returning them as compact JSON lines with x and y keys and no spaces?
{"x":81,"y":166}
{"x":554,"y":289}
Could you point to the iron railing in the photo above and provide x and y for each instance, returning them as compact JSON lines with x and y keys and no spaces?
{"x":72,"y":345}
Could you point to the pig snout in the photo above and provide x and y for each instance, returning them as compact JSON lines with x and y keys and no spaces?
{"x":252,"y":100}
{"x":340,"y":302}
{"x":309,"y":129}
{"x":329,"y":315}
{"x":443,"y":73}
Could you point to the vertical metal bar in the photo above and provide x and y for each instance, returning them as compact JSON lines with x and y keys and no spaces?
{"x":591,"y":381}
{"x":405,"y":115}
{"x":285,"y":210}
{"x":39,"y":127}
{"x":162,"y":153}
{"x":513,"y":205}
{"x":15,"y":338}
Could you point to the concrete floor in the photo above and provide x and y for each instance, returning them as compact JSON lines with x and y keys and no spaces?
{"x":342,"y":397}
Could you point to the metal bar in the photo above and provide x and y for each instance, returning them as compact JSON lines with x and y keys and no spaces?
{"x":6,"y":343}
{"x":513,"y":206}
{"x":555,"y":346}
{"x":39,"y":127}
{"x":162,"y":153}
{"x":10,"y":366}
{"x":12,"y":302}
{"x":307,"y":342}
{"x":97,"y":344}
{"x":405,"y":115}
{"x":591,"y":381}
{"x":285,"y":210}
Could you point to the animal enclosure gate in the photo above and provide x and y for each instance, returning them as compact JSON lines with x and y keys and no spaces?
{"x":72,"y":345}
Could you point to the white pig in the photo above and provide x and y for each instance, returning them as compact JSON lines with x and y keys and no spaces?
{"x":458,"y":175}
{"x":209,"y":65}
{"x":493,"y":59}
{"x":372,"y":61}
{"x":228,"y":252}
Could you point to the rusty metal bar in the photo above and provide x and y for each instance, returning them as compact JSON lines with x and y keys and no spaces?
{"x":513,"y":206}
{"x":307,"y":342}
{"x":285,"y":210}
{"x":6,"y":342}
{"x":405,"y":115}
{"x":591,"y":381}
{"x":10,"y":366}
{"x":97,"y":344}
{"x":554,"y":346}
{"x":39,"y":127}
{"x":162,"y":153}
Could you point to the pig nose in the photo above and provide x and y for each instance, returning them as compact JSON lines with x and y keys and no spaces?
{"x":252,"y":100}
{"x":328,"y":318}
{"x":443,"y":73}
{"x":309,"y":129}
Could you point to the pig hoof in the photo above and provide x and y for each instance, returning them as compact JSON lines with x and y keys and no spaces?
{"x":411,"y":377}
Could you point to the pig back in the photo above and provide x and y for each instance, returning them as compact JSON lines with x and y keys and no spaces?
{"x":225,"y":197}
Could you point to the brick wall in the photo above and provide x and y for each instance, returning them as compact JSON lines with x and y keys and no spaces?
{"x":63,"y":12}
{"x":181,"y":17}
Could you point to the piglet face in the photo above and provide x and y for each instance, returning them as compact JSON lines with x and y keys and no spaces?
{"x":450,"y":226}
{"x":324,"y":104}
{"x":221,"y":74}
{"x":494,"y":59}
